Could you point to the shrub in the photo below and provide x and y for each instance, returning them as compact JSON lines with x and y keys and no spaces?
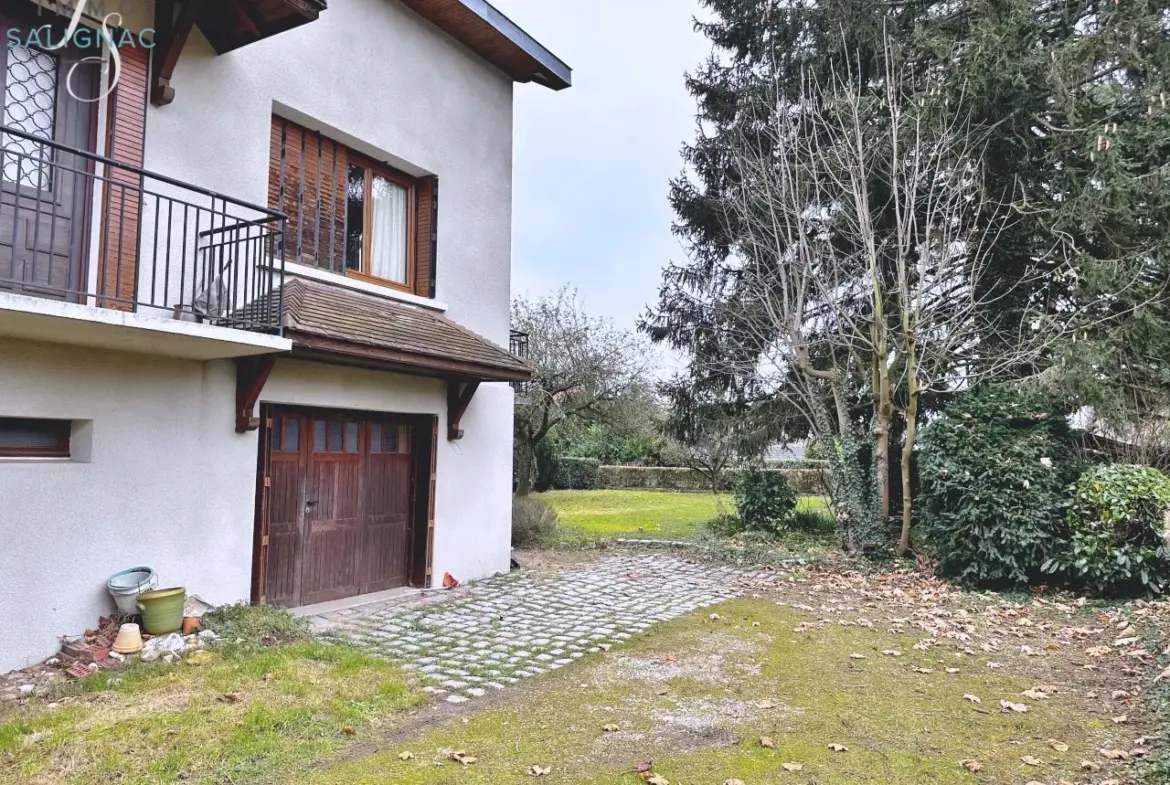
{"x":764,"y":500}
{"x":994,"y":469}
{"x":533,"y":522}
{"x":577,"y":474}
{"x":811,"y":522}
{"x":255,"y":625}
{"x":545,"y":459}
{"x":1117,"y":531}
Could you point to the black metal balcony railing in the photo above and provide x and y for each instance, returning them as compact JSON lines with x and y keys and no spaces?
{"x":83,"y":228}
{"x":518,"y":345}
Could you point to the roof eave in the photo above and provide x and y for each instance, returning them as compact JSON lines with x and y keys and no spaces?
{"x":552,"y":72}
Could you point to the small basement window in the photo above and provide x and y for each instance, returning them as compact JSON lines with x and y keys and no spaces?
{"x":32,"y":438}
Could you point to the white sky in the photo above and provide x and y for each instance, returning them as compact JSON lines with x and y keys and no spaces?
{"x":593,"y":163}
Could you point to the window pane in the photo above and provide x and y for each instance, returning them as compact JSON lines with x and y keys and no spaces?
{"x":388,"y":247}
{"x":355,"y":217}
{"x":375,"y":437}
{"x":292,"y":435}
{"x":391,"y":439}
{"x":30,"y":105}
{"x":20,"y":436}
{"x":351,"y":437}
{"x":318,"y":435}
{"x":404,"y":438}
{"x":277,"y":423}
{"x":335,"y":437}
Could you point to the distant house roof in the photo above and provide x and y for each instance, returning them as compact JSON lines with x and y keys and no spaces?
{"x":496,"y":38}
{"x":368,"y":330}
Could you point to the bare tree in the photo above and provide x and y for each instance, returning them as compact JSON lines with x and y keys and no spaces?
{"x":582,"y":363}
{"x":864,"y":233}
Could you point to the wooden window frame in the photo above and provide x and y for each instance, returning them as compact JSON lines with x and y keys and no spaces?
{"x":63,"y":431}
{"x":373,"y":168}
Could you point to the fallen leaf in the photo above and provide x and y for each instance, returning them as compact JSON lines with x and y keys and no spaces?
{"x":972,"y":698}
{"x":1139,"y":752}
{"x":792,"y":767}
{"x":1119,"y":695}
{"x":767,"y":743}
{"x":952,"y":671}
{"x":971,"y":765}
{"x":733,"y":782}
{"x":856,"y":656}
{"x":657,"y":779}
{"x":645,"y":767}
{"x":922,"y":670}
{"x":892,"y":653}
{"x":662,"y":691}
{"x":1032,"y":760}
{"x":605,"y":646}
{"x":1121,"y":718}
{"x":232,"y":697}
{"x":1018,"y":708}
{"x":765,"y":704}
{"x":406,"y":756}
{"x":715,"y":617}
{"x":838,"y":748}
{"x":1059,"y":746}
{"x":348,"y":731}
{"x":1035,"y":694}
{"x":1115,"y":754}
{"x":1089,"y":766}
{"x":459,"y":756}
{"x":610,"y":728}
{"x":539,"y":771}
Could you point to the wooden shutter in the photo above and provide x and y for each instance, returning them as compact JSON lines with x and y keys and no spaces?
{"x":427,"y":236}
{"x":122,"y":197}
{"x":306,"y":180}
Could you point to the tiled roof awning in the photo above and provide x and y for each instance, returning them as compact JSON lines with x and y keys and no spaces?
{"x":364,"y":329}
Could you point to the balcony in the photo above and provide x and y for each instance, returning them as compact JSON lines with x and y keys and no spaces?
{"x":100,"y":253}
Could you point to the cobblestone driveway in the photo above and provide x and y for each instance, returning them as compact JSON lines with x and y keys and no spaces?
{"x":517,"y":626}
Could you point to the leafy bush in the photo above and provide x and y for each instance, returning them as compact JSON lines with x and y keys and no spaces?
{"x":533,"y":522}
{"x":993,"y":469}
{"x":811,"y":522}
{"x":726,"y":524}
{"x":764,"y":500}
{"x":546,"y":461}
{"x":255,"y":625}
{"x":1117,"y":531}
{"x":577,"y":474}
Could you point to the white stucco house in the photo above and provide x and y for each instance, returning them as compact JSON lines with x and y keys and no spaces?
{"x":245,"y":337}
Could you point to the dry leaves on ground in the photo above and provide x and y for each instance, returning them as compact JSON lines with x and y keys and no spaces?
{"x":971,"y":765}
{"x":792,"y":767}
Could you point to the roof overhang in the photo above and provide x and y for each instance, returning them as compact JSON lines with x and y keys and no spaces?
{"x":333,"y":351}
{"x":479,"y":26}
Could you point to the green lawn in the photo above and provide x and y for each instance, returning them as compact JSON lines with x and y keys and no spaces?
{"x":647,"y":514}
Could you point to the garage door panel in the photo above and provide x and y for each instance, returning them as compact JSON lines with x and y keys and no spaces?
{"x":340,"y":507}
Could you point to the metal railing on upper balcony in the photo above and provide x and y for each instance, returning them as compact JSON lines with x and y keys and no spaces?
{"x":518,"y":345}
{"x":80,"y":227}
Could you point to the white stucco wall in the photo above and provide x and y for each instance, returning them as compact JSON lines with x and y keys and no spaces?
{"x":166,"y":484}
{"x":473,"y":475}
{"x":375,"y":73}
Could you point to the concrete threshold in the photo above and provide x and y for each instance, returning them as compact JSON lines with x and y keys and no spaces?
{"x":347,"y":603}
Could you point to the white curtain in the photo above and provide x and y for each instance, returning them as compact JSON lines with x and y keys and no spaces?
{"x":388,"y":245}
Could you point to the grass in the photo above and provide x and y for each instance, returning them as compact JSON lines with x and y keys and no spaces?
{"x":696,"y":697}
{"x":642,"y":514}
{"x":249,"y":715}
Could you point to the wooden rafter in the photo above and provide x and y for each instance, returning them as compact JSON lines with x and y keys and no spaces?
{"x":459,"y":396}
{"x":170,"y":38}
{"x":251,"y":375}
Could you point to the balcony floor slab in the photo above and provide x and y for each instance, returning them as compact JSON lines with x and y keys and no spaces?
{"x":36,"y":319}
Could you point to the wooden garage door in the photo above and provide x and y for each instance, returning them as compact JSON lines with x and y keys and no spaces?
{"x":339,"y":499}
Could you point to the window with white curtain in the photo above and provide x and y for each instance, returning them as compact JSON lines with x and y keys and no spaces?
{"x":378,"y":220}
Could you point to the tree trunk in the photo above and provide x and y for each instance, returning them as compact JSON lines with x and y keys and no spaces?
{"x":524,"y":461}
{"x":883,"y":413}
{"x":907,"y":458}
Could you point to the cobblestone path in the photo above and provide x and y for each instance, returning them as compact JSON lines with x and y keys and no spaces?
{"x":517,"y":626}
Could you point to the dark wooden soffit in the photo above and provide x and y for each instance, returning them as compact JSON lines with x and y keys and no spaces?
{"x":333,"y":351}
{"x":227,"y":25}
{"x":479,"y":26}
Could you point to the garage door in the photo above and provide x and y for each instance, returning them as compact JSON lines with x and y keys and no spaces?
{"x":339,"y":499}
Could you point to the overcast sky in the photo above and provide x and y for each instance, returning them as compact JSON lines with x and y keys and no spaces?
{"x":593,"y":163}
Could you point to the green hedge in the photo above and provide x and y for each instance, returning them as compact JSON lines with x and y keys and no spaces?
{"x":577,"y":474}
{"x":804,"y":482}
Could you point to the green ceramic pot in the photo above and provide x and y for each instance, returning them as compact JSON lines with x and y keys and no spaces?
{"x":162,"y":610}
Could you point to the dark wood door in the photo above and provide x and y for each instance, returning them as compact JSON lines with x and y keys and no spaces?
{"x":339,"y":501}
{"x":45,"y":193}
